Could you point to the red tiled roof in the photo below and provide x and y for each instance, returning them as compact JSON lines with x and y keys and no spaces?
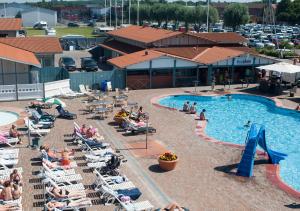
{"x":34,"y":44}
{"x":215,"y":54}
{"x":122,"y":48}
{"x":143,"y":34}
{"x":10,"y":24}
{"x":220,"y":37}
{"x":185,"y":52}
{"x":134,"y":58}
{"x":18,"y":55}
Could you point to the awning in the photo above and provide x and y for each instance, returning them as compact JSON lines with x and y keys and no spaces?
{"x":288,"y":72}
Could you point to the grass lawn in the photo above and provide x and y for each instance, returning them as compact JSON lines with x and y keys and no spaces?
{"x":84,"y":31}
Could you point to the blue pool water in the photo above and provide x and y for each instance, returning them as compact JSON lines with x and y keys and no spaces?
{"x":7,"y":117}
{"x":227,"y":118}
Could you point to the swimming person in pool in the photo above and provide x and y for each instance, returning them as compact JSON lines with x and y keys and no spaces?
{"x":229,"y":97}
{"x":247,"y":124}
{"x":186,"y":106}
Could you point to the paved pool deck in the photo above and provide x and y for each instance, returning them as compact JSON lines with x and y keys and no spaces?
{"x":201,"y":180}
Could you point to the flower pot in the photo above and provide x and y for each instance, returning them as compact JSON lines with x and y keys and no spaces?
{"x":167,"y":165}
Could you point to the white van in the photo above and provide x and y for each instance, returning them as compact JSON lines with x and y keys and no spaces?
{"x":40,"y":25}
{"x":102,"y":30}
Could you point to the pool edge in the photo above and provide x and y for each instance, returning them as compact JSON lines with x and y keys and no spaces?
{"x":272,"y":170}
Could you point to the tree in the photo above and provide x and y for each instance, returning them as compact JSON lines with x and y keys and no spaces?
{"x":236,"y":14}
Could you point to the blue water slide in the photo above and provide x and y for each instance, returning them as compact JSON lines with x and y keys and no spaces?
{"x":245,"y":167}
{"x":274,"y":157}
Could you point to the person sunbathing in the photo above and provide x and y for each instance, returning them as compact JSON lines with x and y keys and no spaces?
{"x":65,"y":158}
{"x":15,"y":177}
{"x":52,"y":205}
{"x":83,"y":129}
{"x":62,"y":193}
{"x":9,"y":207}
{"x":55,"y":165}
{"x":13,"y":132}
{"x":173,"y":207}
{"x":6,"y":193}
{"x":16,"y":192}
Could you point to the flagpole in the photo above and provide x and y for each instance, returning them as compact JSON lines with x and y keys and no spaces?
{"x":122,"y":12}
{"x":207,"y":17}
{"x":138,"y":13}
{"x":116,"y":15}
{"x":110,"y":13}
{"x":105,"y":12}
{"x":129,"y":8}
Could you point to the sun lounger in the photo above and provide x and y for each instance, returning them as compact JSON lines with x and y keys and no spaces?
{"x":35,"y":131}
{"x":81,"y":203}
{"x":79,"y":194}
{"x":84,"y":91}
{"x":65,"y":94}
{"x":69,"y":187}
{"x":58,"y":171}
{"x":9,"y":171}
{"x":65,"y":114}
{"x":8,"y":140}
{"x":64,"y":178}
{"x":10,"y":162}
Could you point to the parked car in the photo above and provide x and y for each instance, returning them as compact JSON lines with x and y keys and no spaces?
{"x":40,"y":25}
{"x":68,"y":63}
{"x":73,"y":24}
{"x":89,"y":64}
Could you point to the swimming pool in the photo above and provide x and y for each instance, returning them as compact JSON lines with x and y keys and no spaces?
{"x":7,"y":117}
{"x":227,"y":118}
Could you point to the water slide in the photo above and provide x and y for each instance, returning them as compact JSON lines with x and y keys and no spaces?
{"x":245,"y":167}
{"x":256,"y":136}
{"x":274,"y":157}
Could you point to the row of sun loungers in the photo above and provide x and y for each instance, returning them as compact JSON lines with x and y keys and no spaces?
{"x":8,"y":161}
{"x":113,"y":187}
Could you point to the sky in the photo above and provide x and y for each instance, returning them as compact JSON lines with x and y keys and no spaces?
{"x":22,"y":1}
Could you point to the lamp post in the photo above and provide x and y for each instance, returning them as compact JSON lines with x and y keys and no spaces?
{"x":147,"y":128}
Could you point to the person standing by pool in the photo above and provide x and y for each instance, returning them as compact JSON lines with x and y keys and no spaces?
{"x":202,"y":115}
{"x":193,"y":108}
{"x":13,"y":132}
{"x":247,"y":124}
{"x":298,"y":107}
{"x":186,"y":106}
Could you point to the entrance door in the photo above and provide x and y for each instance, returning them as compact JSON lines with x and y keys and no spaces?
{"x":162,"y":79}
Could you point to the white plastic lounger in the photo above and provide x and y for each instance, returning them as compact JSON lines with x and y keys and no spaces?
{"x":78,"y":186}
{"x":96,"y":165}
{"x":79,"y":194}
{"x":35,"y":131}
{"x":55,"y":165}
{"x":8,"y":162}
{"x":9,"y":151}
{"x":84,"y":91}
{"x":85,"y":203}
{"x":99,"y":152}
{"x":59,"y":171}
{"x":9,"y":171}
{"x":65,"y":94}
{"x":94,"y":158}
{"x":64,"y":178}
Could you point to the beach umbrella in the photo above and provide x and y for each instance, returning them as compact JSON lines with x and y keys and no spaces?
{"x":54,"y":101}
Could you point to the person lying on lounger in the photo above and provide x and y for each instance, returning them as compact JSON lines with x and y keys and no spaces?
{"x":9,"y":207}
{"x":186,"y":106}
{"x":62,"y":193}
{"x":6,"y":193}
{"x":173,"y":207}
{"x":52,"y":205}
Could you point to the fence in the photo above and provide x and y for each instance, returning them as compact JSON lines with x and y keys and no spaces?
{"x":80,"y":43}
{"x":94,"y":79}
{"x":48,"y":74}
{"x":32,"y":91}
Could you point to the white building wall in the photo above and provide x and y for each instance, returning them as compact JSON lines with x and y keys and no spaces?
{"x":29,"y":18}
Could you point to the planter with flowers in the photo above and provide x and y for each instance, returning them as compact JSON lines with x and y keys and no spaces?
{"x":167,"y":161}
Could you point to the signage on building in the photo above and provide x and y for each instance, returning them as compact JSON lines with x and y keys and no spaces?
{"x":243,"y":61}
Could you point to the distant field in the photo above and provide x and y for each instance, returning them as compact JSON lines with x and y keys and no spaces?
{"x":84,"y":31}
